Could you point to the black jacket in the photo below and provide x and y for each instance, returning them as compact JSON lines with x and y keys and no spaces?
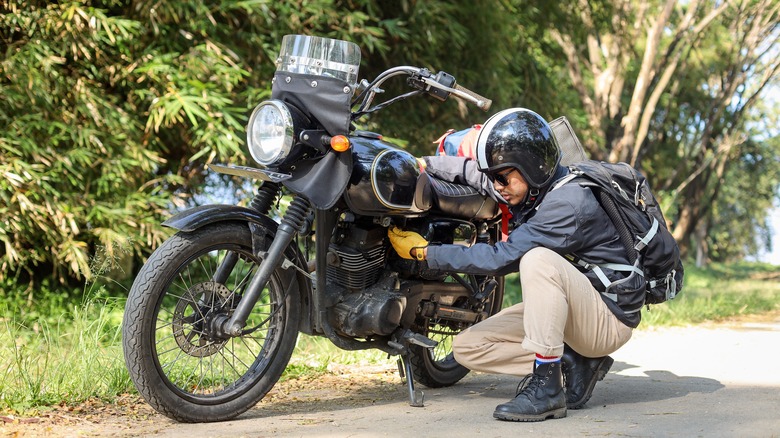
{"x":568,"y":220}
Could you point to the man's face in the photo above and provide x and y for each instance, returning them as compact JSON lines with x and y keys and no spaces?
{"x":511,"y":185}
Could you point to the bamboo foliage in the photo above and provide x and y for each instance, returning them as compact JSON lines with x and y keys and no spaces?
{"x":71,"y":160}
{"x":109,"y":109}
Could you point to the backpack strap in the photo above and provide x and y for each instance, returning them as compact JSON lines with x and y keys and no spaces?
{"x":597,"y":268}
{"x":643,"y":241}
{"x":564,"y":180}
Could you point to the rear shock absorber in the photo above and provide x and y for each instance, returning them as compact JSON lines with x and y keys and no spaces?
{"x":488,"y":285}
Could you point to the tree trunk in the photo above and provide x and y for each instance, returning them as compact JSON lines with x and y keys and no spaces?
{"x":646,"y":73}
{"x":721,"y":136}
{"x":701,"y":245}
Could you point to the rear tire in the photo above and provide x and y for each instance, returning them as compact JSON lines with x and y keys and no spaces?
{"x":436,"y":367}
{"x":176,"y":361}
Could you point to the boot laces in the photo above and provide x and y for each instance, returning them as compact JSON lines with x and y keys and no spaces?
{"x":529,"y":383}
{"x":523,"y":384}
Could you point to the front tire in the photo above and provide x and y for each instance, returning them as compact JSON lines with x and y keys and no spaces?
{"x":179,"y":364}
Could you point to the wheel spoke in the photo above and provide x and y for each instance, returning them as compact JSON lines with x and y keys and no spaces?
{"x":207,"y":271}
{"x":239,"y":284}
{"x":233,"y":355}
{"x":244,"y":342}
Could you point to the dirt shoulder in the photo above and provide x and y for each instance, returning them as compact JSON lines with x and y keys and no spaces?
{"x":683,"y":381}
{"x":129,"y":415}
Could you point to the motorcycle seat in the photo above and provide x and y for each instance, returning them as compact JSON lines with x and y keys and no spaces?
{"x":454,"y":200}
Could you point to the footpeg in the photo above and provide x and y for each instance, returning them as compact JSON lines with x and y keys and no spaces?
{"x":418,"y":339}
{"x":488,"y":288}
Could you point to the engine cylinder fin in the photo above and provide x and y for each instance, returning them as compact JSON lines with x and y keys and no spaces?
{"x":357,"y":269}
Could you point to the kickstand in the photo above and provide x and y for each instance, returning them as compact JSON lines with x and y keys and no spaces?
{"x":416,"y":398}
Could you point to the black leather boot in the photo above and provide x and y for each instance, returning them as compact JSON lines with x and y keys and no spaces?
{"x":580,"y":375}
{"x":541,"y":399}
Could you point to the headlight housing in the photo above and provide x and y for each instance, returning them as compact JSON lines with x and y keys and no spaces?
{"x":270,"y":133}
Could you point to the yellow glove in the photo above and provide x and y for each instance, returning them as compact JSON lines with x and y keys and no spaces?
{"x":405,"y":241}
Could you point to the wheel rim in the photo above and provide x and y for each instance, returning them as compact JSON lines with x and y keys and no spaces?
{"x":198,"y":366}
{"x":441,"y":356}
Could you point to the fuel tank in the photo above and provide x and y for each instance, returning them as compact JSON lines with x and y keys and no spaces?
{"x":384,"y":178}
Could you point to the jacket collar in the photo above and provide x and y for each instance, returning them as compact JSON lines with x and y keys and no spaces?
{"x":526,"y":209}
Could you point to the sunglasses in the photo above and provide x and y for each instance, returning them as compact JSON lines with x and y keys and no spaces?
{"x":501,"y":177}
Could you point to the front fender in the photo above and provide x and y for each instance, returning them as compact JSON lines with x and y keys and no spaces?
{"x":194,"y":218}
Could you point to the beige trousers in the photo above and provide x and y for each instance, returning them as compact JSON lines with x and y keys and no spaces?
{"x":559,"y":305}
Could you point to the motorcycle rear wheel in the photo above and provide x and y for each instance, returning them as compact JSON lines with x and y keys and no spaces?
{"x":179,"y":365}
{"x":436,"y":367}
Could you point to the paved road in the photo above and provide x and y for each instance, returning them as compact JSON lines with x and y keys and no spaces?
{"x":677,"y":382}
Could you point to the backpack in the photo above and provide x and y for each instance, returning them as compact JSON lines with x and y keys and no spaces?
{"x":625,"y":196}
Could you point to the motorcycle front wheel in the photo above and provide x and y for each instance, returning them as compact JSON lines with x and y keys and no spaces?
{"x":178,"y":361}
{"x":436,"y":367}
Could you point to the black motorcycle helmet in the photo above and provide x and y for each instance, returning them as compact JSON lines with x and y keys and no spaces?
{"x":519,"y":138}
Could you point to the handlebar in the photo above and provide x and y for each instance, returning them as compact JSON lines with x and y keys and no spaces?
{"x":464,"y":93}
{"x":482,"y":102}
{"x":440,"y":86}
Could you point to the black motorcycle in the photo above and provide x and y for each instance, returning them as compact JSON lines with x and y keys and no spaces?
{"x":213,"y":315}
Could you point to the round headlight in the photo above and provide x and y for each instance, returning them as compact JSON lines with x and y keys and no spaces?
{"x":270,"y":133}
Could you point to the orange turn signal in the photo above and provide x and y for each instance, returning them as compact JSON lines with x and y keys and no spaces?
{"x":339,"y":143}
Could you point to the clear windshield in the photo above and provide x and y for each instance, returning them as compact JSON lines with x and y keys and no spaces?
{"x":319,"y":56}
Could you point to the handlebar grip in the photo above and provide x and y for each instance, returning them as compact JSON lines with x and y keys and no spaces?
{"x":482,"y":102}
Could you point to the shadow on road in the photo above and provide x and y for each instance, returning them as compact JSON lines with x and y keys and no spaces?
{"x":652,"y":385}
{"x":330,"y":393}
{"x":335,"y":393}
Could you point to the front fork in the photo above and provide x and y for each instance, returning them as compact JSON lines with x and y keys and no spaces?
{"x":292,"y":222}
{"x":262,"y":202}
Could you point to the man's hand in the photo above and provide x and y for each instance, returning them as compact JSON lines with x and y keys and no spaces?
{"x":405,"y":241}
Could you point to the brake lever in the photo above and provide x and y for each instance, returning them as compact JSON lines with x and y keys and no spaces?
{"x":417,"y":80}
{"x":437,"y":86}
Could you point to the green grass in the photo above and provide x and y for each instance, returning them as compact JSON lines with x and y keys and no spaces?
{"x":55,"y":349}
{"x":314,"y":355}
{"x":66,"y":358}
{"x":722,"y":291}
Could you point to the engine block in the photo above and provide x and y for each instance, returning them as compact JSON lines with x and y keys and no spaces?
{"x":357,"y":269}
{"x":359,"y":258}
